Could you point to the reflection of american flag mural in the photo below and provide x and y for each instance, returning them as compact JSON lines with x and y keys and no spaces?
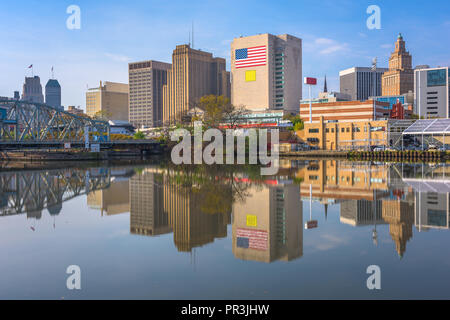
{"x":251,"y":239}
{"x":250,"y":57}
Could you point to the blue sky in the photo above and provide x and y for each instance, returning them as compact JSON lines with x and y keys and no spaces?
{"x":113,"y":33}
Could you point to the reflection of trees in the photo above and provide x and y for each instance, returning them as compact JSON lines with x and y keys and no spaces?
{"x":216,"y":187}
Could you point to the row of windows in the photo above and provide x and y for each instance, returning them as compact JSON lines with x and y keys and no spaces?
{"x":343,"y":130}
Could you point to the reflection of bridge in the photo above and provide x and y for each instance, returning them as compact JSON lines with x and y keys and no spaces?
{"x":33,"y":191}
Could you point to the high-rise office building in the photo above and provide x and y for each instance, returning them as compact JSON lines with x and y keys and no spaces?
{"x":267,"y":72}
{"x":267,"y":226}
{"x":400,"y":216}
{"x":32,"y":90}
{"x":110,"y":98}
{"x":146,"y":81}
{"x":53,"y":93}
{"x":362,"y":212}
{"x":187,"y":209}
{"x":194,"y":74}
{"x":113,"y":200}
{"x":399,"y":79}
{"x":147,"y":216}
{"x":432,"y":92}
{"x":360,"y":83}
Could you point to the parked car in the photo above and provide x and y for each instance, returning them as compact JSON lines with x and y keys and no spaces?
{"x":379,"y":149}
{"x":432,"y":147}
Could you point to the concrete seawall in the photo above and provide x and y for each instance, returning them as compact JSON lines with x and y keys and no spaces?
{"x":315,"y":154}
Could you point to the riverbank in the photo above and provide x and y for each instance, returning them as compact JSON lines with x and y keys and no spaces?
{"x":63,"y":155}
{"x":400,"y":156}
{"x":315,"y":154}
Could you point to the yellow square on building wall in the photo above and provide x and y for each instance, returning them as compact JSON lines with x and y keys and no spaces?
{"x":251,"y":221}
{"x":250,"y":75}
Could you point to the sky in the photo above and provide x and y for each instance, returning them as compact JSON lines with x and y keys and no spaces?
{"x":113,"y":33}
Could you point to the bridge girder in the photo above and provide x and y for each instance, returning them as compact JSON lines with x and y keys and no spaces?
{"x":35,"y":122}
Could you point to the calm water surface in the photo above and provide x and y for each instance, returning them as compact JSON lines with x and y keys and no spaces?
{"x":161,"y":232}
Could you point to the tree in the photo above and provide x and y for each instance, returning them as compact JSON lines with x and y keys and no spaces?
{"x":139,"y":135}
{"x":297,"y":122}
{"x":102,"y":115}
{"x":219,"y":110}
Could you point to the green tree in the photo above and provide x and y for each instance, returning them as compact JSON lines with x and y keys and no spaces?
{"x":102,"y":115}
{"x":297,"y":122}
{"x":219,"y":110}
{"x":139,"y":135}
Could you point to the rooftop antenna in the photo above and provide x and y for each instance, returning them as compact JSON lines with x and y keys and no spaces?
{"x":192,"y":34}
{"x":53,"y":75}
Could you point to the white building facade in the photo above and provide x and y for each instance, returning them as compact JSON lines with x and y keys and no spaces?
{"x":431,"y":92}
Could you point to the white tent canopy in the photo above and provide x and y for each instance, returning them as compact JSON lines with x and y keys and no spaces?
{"x":429,"y":127}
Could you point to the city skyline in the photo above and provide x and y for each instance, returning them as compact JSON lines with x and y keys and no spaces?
{"x":103,"y":47}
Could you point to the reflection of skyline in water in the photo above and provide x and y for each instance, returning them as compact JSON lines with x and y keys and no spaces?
{"x":266,"y":216}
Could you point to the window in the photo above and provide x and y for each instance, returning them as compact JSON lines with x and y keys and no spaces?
{"x":313,"y":130}
{"x":342,"y":129}
{"x":327,"y":130}
{"x":332,"y":130}
{"x":348,"y":129}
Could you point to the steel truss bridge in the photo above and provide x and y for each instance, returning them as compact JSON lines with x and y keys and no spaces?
{"x":33,"y":191}
{"x":29,"y":122}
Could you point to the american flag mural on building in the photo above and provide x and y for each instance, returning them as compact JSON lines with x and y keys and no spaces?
{"x":251,"y":57}
{"x":251,"y":239}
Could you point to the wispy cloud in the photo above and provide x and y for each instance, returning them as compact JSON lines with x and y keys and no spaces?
{"x":118,"y":57}
{"x":329,"y":241}
{"x":326,"y":46}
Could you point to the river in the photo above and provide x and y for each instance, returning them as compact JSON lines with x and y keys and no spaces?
{"x":156,"y":231}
